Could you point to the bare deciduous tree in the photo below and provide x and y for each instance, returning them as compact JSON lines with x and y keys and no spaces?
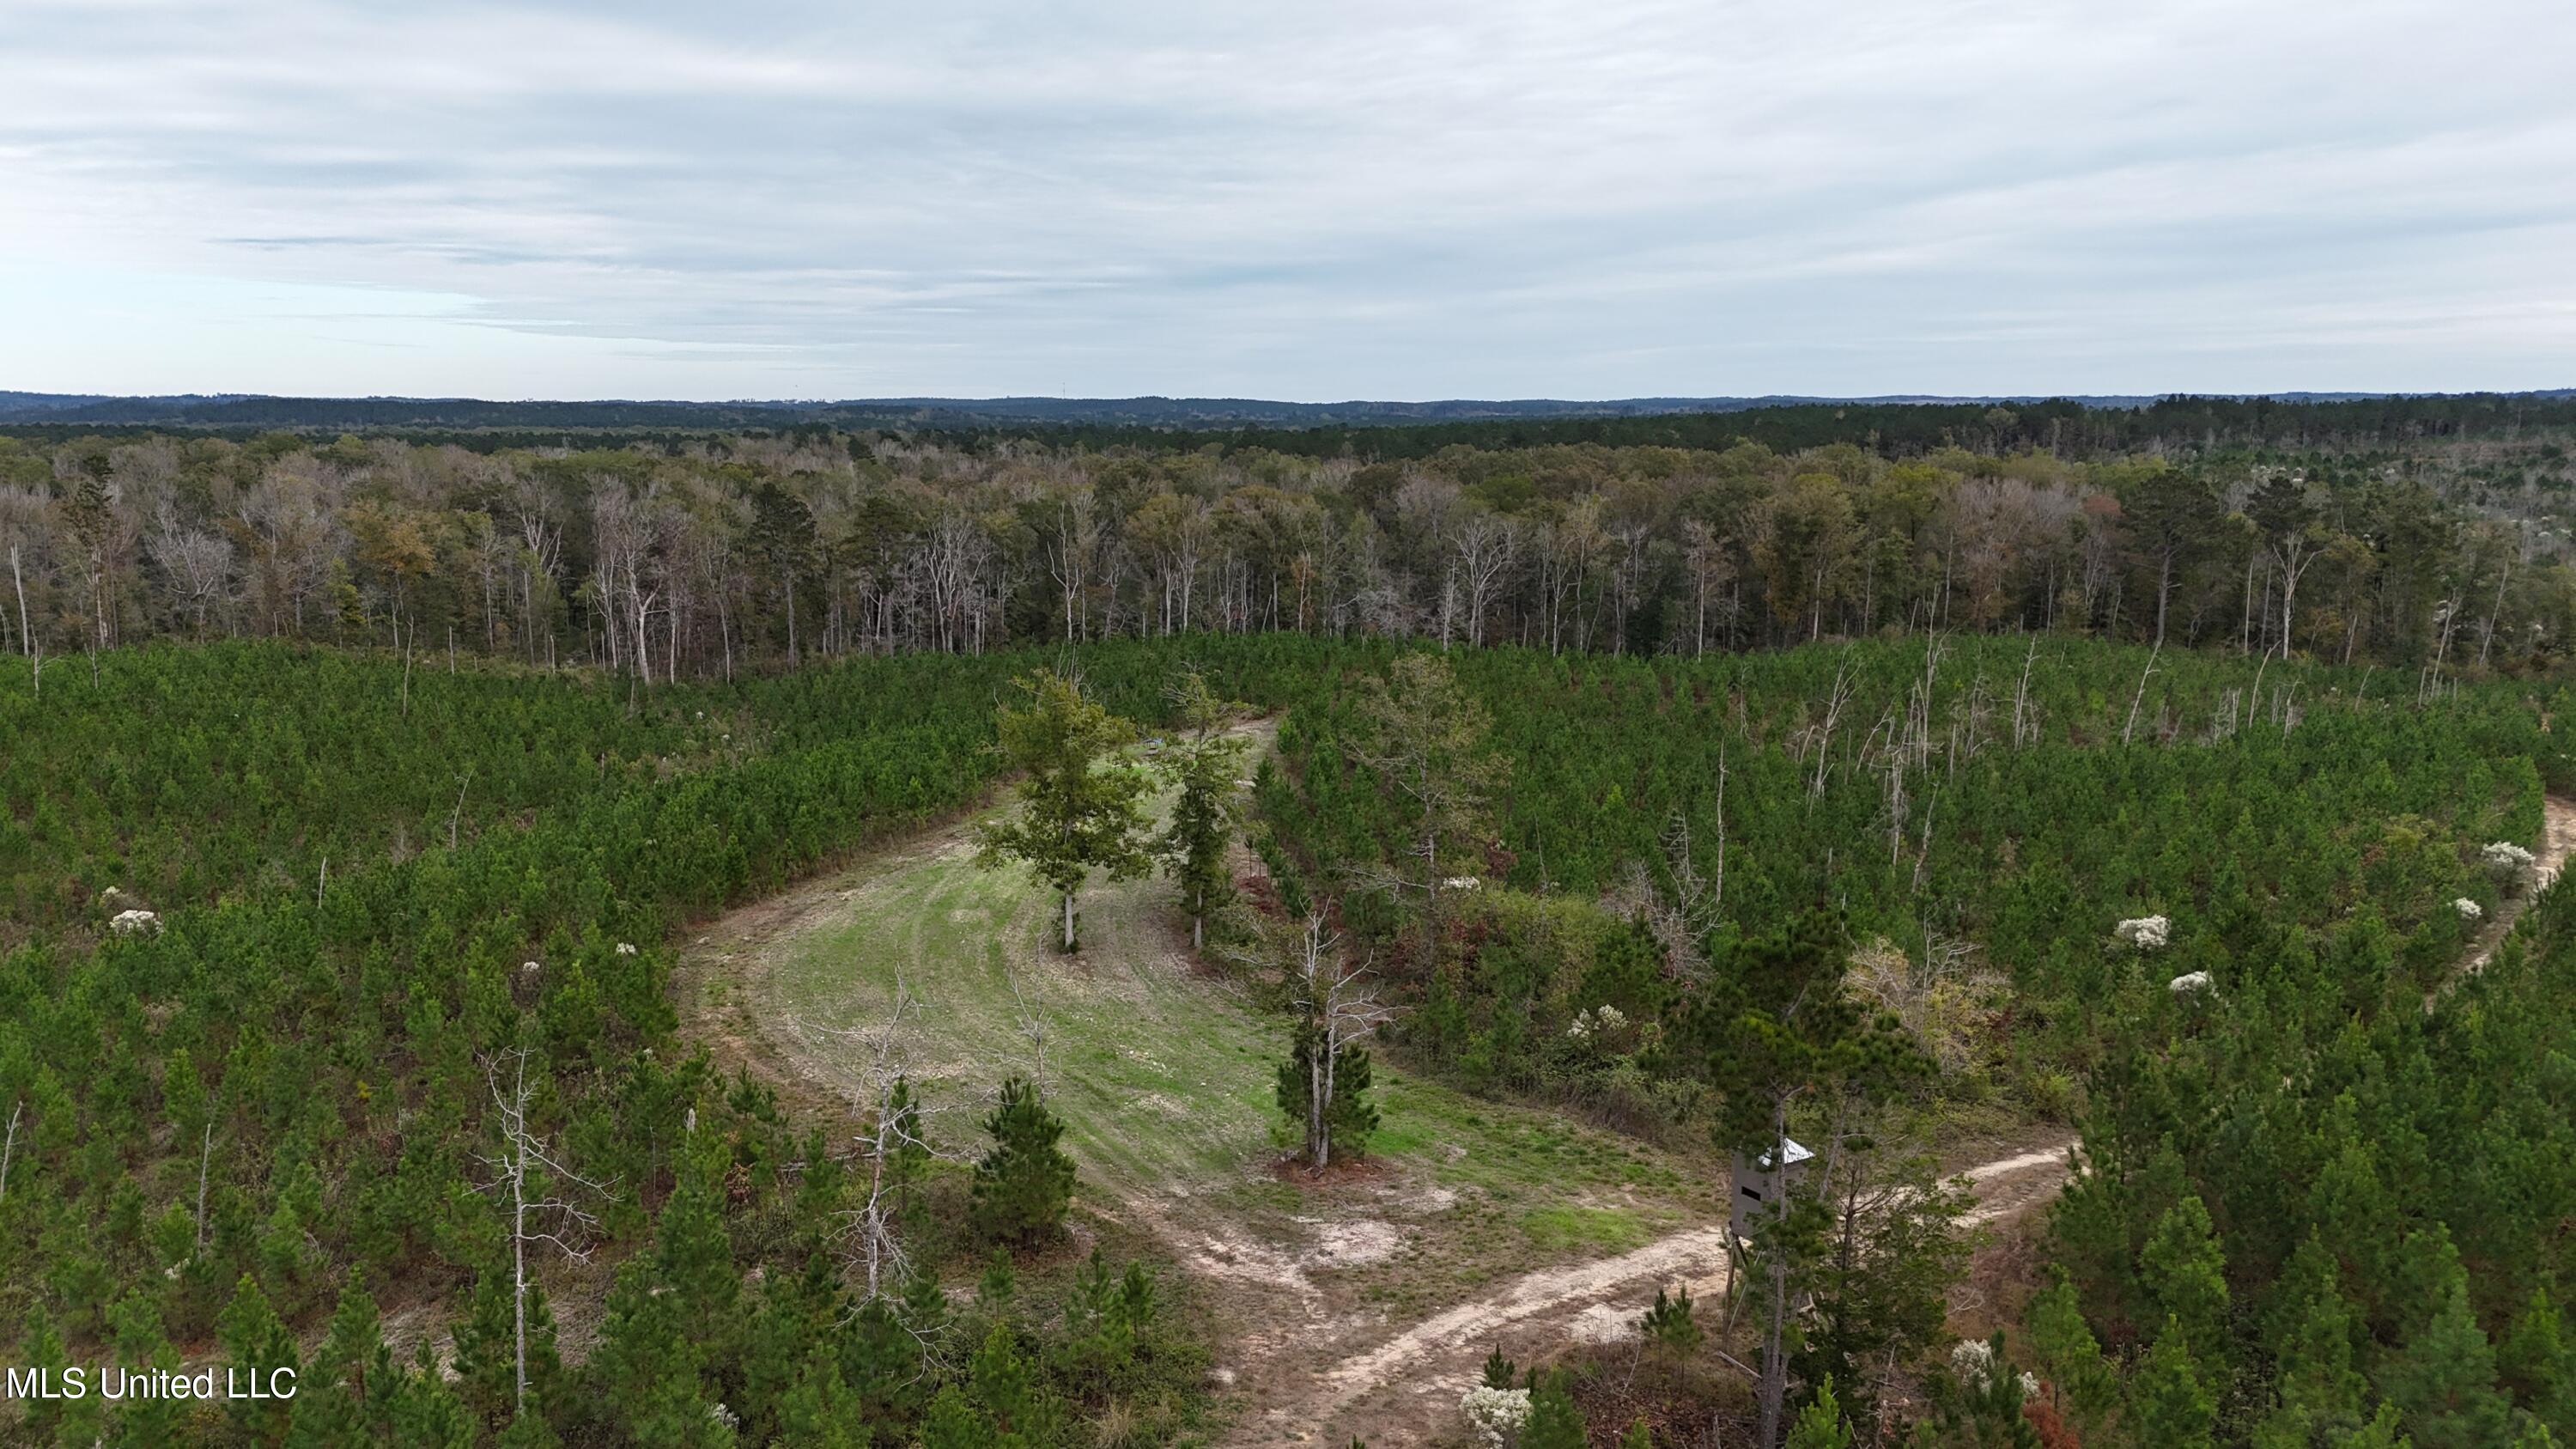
{"x":526,"y":1173}
{"x":1486,"y":548}
{"x":1341,"y":1011}
{"x":197,"y":565}
{"x":893,"y":1145}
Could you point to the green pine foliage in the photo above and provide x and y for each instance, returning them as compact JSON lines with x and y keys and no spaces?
{"x":1202,"y":762}
{"x":1081,"y":806}
{"x":1668,"y":1323}
{"x":2264,"y":1167}
{"x":1349,"y":1115}
{"x":1024,"y":1181}
{"x":1555,"y":1420}
{"x":1820,"y":1424}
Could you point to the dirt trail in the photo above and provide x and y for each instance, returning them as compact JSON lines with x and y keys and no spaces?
{"x":2557,"y":840}
{"x":1411,"y":1382}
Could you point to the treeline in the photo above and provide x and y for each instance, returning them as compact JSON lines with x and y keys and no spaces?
{"x":751,"y":553}
{"x":1382,"y":431}
{"x":2066,"y":426}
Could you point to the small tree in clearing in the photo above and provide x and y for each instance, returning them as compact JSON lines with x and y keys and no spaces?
{"x":1324,"y":1084}
{"x":1669,"y":1326}
{"x":1079,"y":812}
{"x":1025,"y":1182}
{"x":1202,"y":762}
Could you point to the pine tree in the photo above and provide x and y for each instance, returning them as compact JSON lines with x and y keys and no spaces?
{"x":693,"y":1256}
{"x":46,"y":1355}
{"x":952,"y":1423}
{"x":1348,"y":1117}
{"x":1132,"y":1312}
{"x":647,"y":1371}
{"x":1203,"y":763}
{"x":1425,"y":739}
{"x":2069,"y":1355}
{"x":819,"y":1411}
{"x":2170,"y":1399}
{"x":255,"y":1341}
{"x":349,"y":1371}
{"x":1777,"y":1026}
{"x":2185,"y":1274}
{"x":142,"y":1345}
{"x":487,"y":1348}
{"x":1003,"y":1386}
{"x":1080,"y":810}
{"x":1555,"y":1422}
{"x":1979,"y":1404}
{"x":1668,"y":1324}
{"x":2534,"y":1361}
{"x":882,"y":1355}
{"x":2321,"y":1393}
{"x":1820,"y":1424}
{"x":1000,"y":1284}
{"x":421,"y":1410}
{"x":530,"y":1429}
{"x":1024,"y":1182}
{"x":2444,"y":1381}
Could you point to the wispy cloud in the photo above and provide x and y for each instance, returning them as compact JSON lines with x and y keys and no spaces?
{"x":1324,"y":200}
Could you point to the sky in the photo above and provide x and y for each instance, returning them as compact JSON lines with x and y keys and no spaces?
{"x":1307,"y":201}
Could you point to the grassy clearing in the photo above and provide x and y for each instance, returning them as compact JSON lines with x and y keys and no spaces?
{"x":1163,"y":1078}
{"x":1164,"y":1074}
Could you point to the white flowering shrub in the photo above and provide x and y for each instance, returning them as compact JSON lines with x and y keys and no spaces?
{"x":625,"y":948}
{"x":1461,"y":883}
{"x":1974,"y":1363}
{"x":134,"y":923}
{"x":1599,"y":1021}
{"x":2190,"y":985}
{"x":2506,"y":858}
{"x":2147,"y":933}
{"x":1496,"y":1414}
{"x":2469,"y":910}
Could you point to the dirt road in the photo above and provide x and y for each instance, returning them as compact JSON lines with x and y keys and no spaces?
{"x":1409,"y":1384}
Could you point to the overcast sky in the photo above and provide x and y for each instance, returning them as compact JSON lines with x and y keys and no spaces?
{"x":1587,"y":198}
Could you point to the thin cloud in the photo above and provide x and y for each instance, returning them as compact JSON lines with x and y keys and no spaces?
{"x":1410,"y":199}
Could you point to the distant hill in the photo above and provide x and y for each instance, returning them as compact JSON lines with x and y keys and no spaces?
{"x":244,"y":410}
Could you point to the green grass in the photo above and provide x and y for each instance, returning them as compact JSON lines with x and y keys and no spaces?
{"x":1612,"y":1230}
{"x":1163,"y":1078}
{"x":1164,"y":1075}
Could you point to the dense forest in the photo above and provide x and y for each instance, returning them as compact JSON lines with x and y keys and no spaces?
{"x":355,"y":794}
{"x":698,"y":559}
{"x":1382,"y":429}
{"x":290,"y":932}
{"x":2281,"y":1104}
